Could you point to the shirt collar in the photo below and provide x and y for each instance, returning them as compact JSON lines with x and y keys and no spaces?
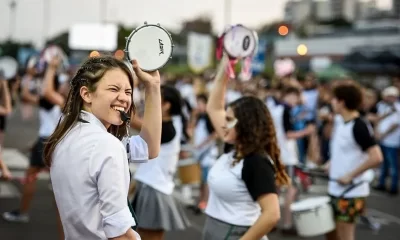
{"x":89,"y":117}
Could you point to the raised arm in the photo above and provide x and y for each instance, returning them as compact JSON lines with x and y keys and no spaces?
{"x":216,"y":101}
{"x":49,"y":91}
{"x":151,"y":123}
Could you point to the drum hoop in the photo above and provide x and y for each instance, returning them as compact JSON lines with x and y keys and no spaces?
{"x":314,"y":209}
{"x":241,"y":26}
{"x":128,"y":40}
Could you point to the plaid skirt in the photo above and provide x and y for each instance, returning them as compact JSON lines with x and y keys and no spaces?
{"x":158,"y":211}
{"x":217,"y":230}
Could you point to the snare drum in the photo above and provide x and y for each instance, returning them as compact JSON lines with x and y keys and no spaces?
{"x":239,"y":42}
{"x":151,"y":45}
{"x":313,"y":216}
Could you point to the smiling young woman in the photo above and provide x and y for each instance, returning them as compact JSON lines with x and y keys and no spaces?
{"x":88,"y":162}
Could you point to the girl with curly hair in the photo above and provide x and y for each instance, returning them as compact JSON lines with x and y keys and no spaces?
{"x":243,"y":201}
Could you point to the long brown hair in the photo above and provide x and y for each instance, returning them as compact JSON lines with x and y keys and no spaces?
{"x":88,"y":75}
{"x":256,"y":134}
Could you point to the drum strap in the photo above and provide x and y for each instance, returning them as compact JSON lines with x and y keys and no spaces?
{"x":228,"y":234}
{"x":129,"y":204}
{"x":351,"y":187}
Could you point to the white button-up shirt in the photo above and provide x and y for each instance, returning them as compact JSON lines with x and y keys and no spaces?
{"x":90,"y":178}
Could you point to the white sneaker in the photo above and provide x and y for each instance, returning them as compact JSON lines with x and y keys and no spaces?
{"x":16,"y":216}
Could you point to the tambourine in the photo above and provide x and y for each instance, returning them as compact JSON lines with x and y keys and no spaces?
{"x":239,"y":42}
{"x":48,"y":54}
{"x":151,"y":45}
{"x":8,"y":67}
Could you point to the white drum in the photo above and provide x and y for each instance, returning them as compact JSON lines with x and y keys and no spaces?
{"x":8,"y":67}
{"x":313,"y":216}
{"x":151,"y":45}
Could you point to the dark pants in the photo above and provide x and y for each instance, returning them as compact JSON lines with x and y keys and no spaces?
{"x":389,"y":167}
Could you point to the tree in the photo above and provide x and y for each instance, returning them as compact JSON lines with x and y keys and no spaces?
{"x":10,"y":48}
{"x":200,"y":24}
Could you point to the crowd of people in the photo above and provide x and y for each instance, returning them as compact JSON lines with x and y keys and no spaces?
{"x":268,"y":128}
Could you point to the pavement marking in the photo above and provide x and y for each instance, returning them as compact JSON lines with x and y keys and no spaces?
{"x":14,"y":159}
{"x":384,"y":215}
{"x":8,"y":190}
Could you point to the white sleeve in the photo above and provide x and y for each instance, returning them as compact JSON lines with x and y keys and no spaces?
{"x":138,"y":151}
{"x":109,"y":170}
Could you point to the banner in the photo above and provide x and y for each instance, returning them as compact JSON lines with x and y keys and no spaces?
{"x":199,"y":51}
{"x":258,"y":63}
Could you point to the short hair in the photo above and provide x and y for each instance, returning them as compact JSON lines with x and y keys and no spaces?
{"x":350,"y":93}
{"x":290,"y":90}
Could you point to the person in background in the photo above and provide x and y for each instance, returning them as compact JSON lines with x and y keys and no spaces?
{"x":287,"y":136}
{"x":5,"y":110}
{"x":156,"y":208}
{"x":204,"y":141}
{"x":353,"y":151}
{"x":388,"y":134}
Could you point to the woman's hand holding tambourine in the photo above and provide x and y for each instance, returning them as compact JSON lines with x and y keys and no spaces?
{"x":147,"y":78}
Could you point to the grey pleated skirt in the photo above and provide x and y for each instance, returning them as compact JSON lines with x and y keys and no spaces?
{"x":218,"y":230}
{"x":158,"y":211}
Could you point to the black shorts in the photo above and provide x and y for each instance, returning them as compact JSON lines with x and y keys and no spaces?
{"x":3,"y":123}
{"x":37,"y":159}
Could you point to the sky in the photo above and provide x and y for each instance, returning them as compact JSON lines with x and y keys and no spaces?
{"x":31,"y":24}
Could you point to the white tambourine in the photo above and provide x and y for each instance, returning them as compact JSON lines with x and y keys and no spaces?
{"x":239,"y":42}
{"x":8,"y":67}
{"x":49,"y":53}
{"x":151,"y":45}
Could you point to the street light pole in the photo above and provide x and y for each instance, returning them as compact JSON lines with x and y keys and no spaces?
{"x":13,"y":5}
{"x":227,"y":12}
{"x":46,"y":20}
{"x":103,"y":11}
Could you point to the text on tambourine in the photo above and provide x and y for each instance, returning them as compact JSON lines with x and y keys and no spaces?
{"x":161,"y":47}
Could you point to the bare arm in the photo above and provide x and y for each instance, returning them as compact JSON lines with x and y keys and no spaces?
{"x":374,"y":159}
{"x":26,"y":95}
{"x":7,"y":108}
{"x":129,"y":235}
{"x":270,"y":215}
{"x":216,"y":101}
{"x":49,"y":91}
{"x":152,"y":119}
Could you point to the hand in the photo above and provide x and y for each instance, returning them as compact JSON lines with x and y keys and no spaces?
{"x":6,"y":175}
{"x":55,"y":62}
{"x":346,"y":180}
{"x":326,"y":167}
{"x":147,"y":78}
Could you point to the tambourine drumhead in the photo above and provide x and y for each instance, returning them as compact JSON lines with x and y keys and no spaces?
{"x":309,"y":203}
{"x":150,"y":45}
{"x":50,"y":52}
{"x":239,"y":42}
{"x":8,"y":67}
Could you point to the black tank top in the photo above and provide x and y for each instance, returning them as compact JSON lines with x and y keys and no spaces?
{"x":43,"y":102}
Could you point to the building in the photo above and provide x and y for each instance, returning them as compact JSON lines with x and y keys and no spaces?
{"x":366,"y":9}
{"x":296,"y":11}
{"x":345,"y":9}
{"x":396,"y":8}
{"x":339,"y":46}
{"x":323,"y":10}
